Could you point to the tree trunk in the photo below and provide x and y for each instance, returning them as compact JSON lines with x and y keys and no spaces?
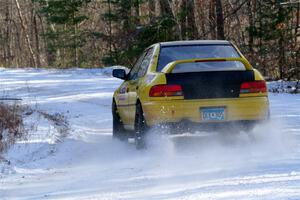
{"x":296,"y":36}
{"x":251,"y":25}
{"x":212,"y":19}
{"x":37,"y":40}
{"x":75,"y":47}
{"x":167,"y":12}
{"x":281,"y":58}
{"x":294,"y":27}
{"x":7,"y":50}
{"x":137,"y":21}
{"x":200,"y":18}
{"x":151,"y":6}
{"x":27,"y":39}
{"x":220,"y":20}
{"x":193,"y":32}
{"x":183,"y":21}
{"x":165,"y":8}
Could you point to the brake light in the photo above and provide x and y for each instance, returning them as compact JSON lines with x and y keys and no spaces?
{"x":166,"y":91}
{"x":253,"y":87}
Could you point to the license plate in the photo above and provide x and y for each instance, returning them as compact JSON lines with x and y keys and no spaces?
{"x":212,"y":114}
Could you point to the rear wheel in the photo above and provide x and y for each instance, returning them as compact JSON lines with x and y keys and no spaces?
{"x":248,"y":127}
{"x":118,"y":128}
{"x":140,"y":128}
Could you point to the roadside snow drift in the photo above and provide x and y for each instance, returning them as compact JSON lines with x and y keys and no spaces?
{"x":89,"y":164}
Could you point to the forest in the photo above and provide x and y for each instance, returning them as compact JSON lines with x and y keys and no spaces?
{"x":100,"y":33}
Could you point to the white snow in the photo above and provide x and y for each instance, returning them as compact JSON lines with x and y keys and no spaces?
{"x":281,"y":86}
{"x":88,"y":164}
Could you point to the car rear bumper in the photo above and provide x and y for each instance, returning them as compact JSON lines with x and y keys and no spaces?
{"x":236,"y":109}
{"x":191,"y":127}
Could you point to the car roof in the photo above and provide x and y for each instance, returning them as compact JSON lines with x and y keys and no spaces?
{"x":194,"y":42}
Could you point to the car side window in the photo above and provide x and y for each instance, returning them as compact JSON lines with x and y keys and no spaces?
{"x":134,"y":71}
{"x":145,"y":63}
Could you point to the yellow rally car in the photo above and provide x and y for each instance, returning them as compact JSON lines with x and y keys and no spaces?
{"x":186,"y":84}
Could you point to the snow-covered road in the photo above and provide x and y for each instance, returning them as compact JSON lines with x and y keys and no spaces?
{"x":88,"y":164}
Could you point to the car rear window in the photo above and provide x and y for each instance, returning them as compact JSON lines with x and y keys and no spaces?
{"x":172,"y":53}
{"x":209,"y":66}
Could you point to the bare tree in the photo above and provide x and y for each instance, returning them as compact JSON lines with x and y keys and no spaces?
{"x":220,"y":20}
{"x":151,"y":8}
{"x":212,"y":19}
{"x":24,"y":27}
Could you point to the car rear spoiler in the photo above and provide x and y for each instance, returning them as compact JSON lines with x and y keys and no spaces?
{"x":170,"y":67}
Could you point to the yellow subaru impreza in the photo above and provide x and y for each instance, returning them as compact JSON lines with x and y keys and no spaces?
{"x":186,"y":84}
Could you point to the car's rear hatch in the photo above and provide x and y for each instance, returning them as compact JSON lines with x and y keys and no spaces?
{"x":210,"y":85}
{"x":205,"y":71}
{"x":212,"y":78}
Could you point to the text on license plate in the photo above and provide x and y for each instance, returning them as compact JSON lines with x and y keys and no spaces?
{"x":212,"y":114}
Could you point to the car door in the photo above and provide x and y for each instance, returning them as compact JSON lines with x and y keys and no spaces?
{"x":134,"y":83}
{"x":122,"y":101}
{"x":124,"y":105}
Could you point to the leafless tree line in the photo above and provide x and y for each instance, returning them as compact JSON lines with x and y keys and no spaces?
{"x":23,"y":27}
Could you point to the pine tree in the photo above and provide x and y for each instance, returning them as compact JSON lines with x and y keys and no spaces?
{"x":269,"y":29}
{"x":127,"y":37}
{"x":121,"y":30}
{"x":63,"y":37}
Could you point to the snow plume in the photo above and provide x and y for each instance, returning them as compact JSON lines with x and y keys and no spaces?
{"x":274,"y":138}
{"x":213,"y":151}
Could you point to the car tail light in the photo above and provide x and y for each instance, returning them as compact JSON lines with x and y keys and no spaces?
{"x":253,"y":87}
{"x":166,"y":91}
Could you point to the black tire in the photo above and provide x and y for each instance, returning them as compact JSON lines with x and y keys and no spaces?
{"x":140,"y":128}
{"x":249,"y":127}
{"x":118,"y":128}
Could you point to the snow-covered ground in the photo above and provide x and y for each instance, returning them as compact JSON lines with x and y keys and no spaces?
{"x":281,"y":86}
{"x":88,"y":164}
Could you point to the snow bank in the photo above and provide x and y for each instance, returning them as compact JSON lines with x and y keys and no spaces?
{"x":104,"y":71}
{"x":281,"y":86}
